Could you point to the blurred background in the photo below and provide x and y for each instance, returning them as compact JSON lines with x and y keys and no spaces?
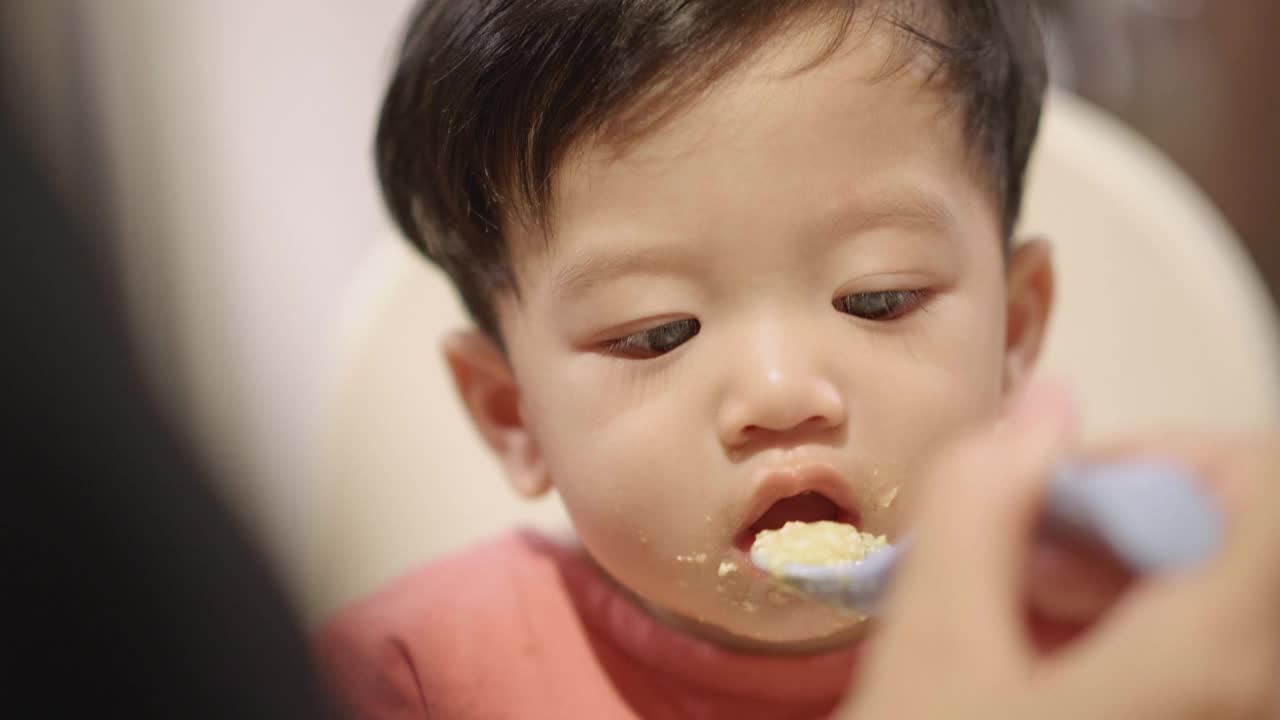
{"x":1197,"y":78}
{"x":225,"y":146}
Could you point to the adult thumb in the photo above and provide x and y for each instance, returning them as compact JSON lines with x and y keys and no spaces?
{"x":977,"y":511}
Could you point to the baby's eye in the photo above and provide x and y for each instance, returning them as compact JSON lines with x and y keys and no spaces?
{"x":888,"y":305}
{"x":657,"y":341}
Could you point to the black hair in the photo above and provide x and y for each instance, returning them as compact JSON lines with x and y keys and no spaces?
{"x":488,"y":95}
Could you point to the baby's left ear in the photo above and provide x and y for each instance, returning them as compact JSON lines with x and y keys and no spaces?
{"x":489,"y":392}
{"x":1030,"y":300}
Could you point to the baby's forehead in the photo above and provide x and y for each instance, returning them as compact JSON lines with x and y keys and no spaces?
{"x":713,"y":176}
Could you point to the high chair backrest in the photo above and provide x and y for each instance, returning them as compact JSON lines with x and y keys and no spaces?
{"x":1160,"y":320}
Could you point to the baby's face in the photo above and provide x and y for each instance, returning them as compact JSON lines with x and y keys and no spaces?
{"x":774,"y":308}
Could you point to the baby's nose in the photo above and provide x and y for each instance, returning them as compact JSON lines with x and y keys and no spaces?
{"x":779,"y":401}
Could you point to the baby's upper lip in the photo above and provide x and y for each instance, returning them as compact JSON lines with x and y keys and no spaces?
{"x":781,"y":483}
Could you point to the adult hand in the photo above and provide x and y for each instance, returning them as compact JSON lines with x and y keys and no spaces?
{"x":1204,"y":643}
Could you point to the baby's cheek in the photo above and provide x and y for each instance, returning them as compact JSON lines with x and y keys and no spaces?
{"x":640,"y":527}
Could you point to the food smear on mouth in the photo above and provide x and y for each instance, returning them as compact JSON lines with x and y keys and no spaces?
{"x":823,"y":543}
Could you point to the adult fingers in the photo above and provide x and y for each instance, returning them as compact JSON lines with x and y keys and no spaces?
{"x":961,"y":584}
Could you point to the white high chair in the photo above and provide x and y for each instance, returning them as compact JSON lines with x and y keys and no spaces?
{"x":1160,"y":320}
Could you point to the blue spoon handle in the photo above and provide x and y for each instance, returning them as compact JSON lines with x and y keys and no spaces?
{"x":1152,"y":516}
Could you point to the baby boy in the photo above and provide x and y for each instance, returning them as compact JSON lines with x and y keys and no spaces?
{"x":731,"y":264}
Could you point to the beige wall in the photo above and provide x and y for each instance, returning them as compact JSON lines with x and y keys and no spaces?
{"x":232,"y":138}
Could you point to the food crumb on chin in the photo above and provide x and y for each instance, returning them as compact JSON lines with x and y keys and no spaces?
{"x":698,"y":558}
{"x":727,"y":568}
{"x":887,"y":500}
{"x":781,"y":597}
{"x":846,"y":619}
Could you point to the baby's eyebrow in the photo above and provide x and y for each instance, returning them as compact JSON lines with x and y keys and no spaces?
{"x":898,"y":208}
{"x":581,"y":275}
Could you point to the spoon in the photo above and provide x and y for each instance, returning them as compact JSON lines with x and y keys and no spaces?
{"x":1153,"y":516}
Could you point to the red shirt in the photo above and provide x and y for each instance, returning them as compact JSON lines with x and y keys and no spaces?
{"x":523,"y":627}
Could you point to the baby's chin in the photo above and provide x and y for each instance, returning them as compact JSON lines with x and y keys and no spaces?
{"x":797,"y":627}
{"x":731,"y":606}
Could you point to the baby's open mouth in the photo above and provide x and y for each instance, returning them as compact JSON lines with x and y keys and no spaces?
{"x":811,"y":506}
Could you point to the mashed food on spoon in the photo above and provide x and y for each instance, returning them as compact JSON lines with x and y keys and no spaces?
{"x":823,"y":543}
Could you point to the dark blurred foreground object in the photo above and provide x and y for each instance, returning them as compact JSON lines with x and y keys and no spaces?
{"x":129,"y":590}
